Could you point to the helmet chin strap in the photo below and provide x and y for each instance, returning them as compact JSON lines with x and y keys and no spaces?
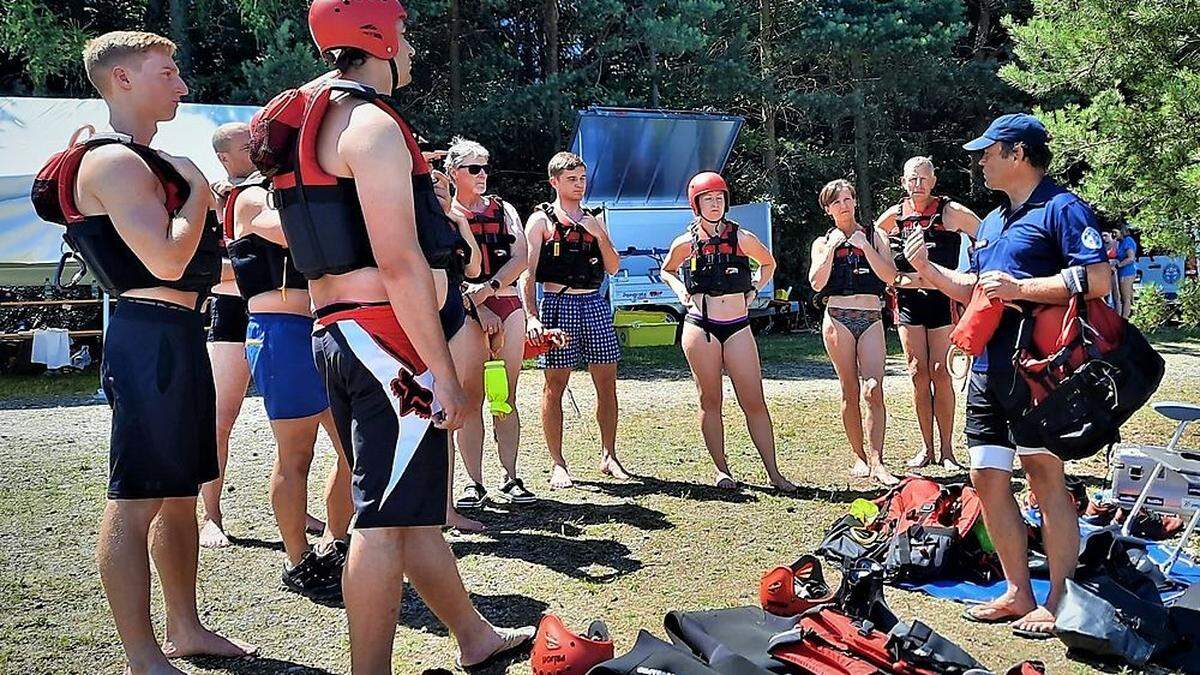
{"x":395,"y":76}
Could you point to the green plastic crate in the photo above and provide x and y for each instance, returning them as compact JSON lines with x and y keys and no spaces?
{"x":647,"y":334}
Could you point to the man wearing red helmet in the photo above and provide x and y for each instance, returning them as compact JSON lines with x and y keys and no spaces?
{"x":569,"y":252}
{"x":713,"y":257}
{"x":364,"y":224}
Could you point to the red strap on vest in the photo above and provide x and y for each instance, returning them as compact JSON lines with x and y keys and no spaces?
{"x":308,"y":169}
{"x":63,"y":168}
{"x":490,"y":220}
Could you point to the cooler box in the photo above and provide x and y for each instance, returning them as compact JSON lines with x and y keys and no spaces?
{"x":637,"y":328}
{"x":1171,"y":492}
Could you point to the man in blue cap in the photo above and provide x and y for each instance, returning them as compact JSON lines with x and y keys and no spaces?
{"x":1040,"y":242}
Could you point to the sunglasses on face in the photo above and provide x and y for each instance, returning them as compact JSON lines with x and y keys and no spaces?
{"x":474,"y":169}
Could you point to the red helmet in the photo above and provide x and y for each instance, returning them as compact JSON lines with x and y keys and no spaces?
{"x":369,"y":25}
{"x":707,"y":181}
{"x":558,"y":651}
{"x":792,"y":590}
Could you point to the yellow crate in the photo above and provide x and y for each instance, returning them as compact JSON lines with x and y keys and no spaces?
{"x":647,"y":334}
{"x":630,"y":317}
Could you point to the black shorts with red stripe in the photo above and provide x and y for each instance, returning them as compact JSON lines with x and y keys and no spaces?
{"x":381,"y":397}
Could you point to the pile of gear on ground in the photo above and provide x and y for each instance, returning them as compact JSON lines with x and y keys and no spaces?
{"x":919,"y":531}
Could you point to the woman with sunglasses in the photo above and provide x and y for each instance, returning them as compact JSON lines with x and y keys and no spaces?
{"x":851,"y":269}
{"x":492,"y":298}
{"x":924,"y":313}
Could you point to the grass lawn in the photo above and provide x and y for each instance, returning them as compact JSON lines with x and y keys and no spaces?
{"x":623,"y":552}
{"x":28,"y":389}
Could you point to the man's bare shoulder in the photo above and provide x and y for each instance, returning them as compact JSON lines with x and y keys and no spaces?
{"x":537,"y":218}
{"x":113,"y":172}
{"x":114,"y":163}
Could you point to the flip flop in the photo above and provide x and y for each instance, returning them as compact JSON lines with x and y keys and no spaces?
{"x":514,"y":640}
{"x":1032,"y":634}
{"x":968,"y":615}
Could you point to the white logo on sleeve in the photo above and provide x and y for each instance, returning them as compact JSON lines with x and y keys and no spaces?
{"x":1091,"y":239}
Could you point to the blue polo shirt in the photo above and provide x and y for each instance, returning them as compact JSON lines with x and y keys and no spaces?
{"x":1124,"y":248}
{"x":1051,"y":231}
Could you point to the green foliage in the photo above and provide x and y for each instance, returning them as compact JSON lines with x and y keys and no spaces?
{"x":285,"y":62}
{"x":1120,"y":82}
{"x":1150,"y":308}
{"x":1189,"y":304}
{"x":910,"y":76}
{"x":47,"y":46}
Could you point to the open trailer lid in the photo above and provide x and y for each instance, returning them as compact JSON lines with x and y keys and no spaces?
{"x":646,"y":157}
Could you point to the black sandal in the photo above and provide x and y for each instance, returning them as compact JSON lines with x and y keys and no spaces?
{"x":516,"y":492}
{"x":473,"y":497}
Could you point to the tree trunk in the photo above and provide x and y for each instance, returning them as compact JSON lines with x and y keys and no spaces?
{"x":862,"y":158}
{"x":765,"y":38}
{"x":551,"y":28}
{"x":983,"y":27}
{"x":455,"y":64}
{"x":654,"y":76}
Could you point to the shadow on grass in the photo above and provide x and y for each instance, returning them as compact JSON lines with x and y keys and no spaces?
{"x":648,"y":485}
{"x":568,"y":519}
{"x":256,"y":666}
{"x":592,"y":560}
{"x":254,"y":542}
{"x":822,"y":494}
{"x":52,"y":402}
{"x":507,"y":609}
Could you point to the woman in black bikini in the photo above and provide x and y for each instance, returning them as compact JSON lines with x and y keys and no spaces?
{"x":708,"y":267}
{"x":851,"y":268}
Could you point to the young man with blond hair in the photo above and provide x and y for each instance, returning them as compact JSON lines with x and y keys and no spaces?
{"x":569,"y":253}
{"x":146,"y":243}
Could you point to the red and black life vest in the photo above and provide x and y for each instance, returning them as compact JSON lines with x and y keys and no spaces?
{"x":570,"y":256}
{"x":851,"y":274}
{"x":321,"y":215}
{"x":943,"y":244}
{"x":490,"y":230}
{"x":717,"y":266}
{"x":259,"y":265}
{"x":94,"y":240}
{"x":923,"y":530}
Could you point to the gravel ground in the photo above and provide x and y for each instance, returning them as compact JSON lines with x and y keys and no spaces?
{"x":624,"y":552}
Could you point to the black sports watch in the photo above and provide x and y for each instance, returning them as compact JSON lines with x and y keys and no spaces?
{"x":494,"y":283}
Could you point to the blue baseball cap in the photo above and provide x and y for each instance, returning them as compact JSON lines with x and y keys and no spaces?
{"x":1014,"y":128}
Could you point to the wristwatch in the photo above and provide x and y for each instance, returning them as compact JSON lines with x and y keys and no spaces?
{"x":494,"y":283}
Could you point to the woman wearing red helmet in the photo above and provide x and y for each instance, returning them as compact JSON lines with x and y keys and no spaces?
{"x":708,"y":267}
{"x":363,"y":222}
{"x":851,"y":269}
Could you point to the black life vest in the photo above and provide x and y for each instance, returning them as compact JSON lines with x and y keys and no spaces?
{"x":717,"y":265}
{"x":259,"y":265}
{"x":321,"y":215}
{"x":943,"y":244}
{"x":851,"y":274}
{"x":94,"y":240}
{"x":570,"y":256}
{"x":491,"y":234}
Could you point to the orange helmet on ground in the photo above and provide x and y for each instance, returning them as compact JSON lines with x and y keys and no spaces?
{"x":559,"y":651}
{"x":792,"y":590}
